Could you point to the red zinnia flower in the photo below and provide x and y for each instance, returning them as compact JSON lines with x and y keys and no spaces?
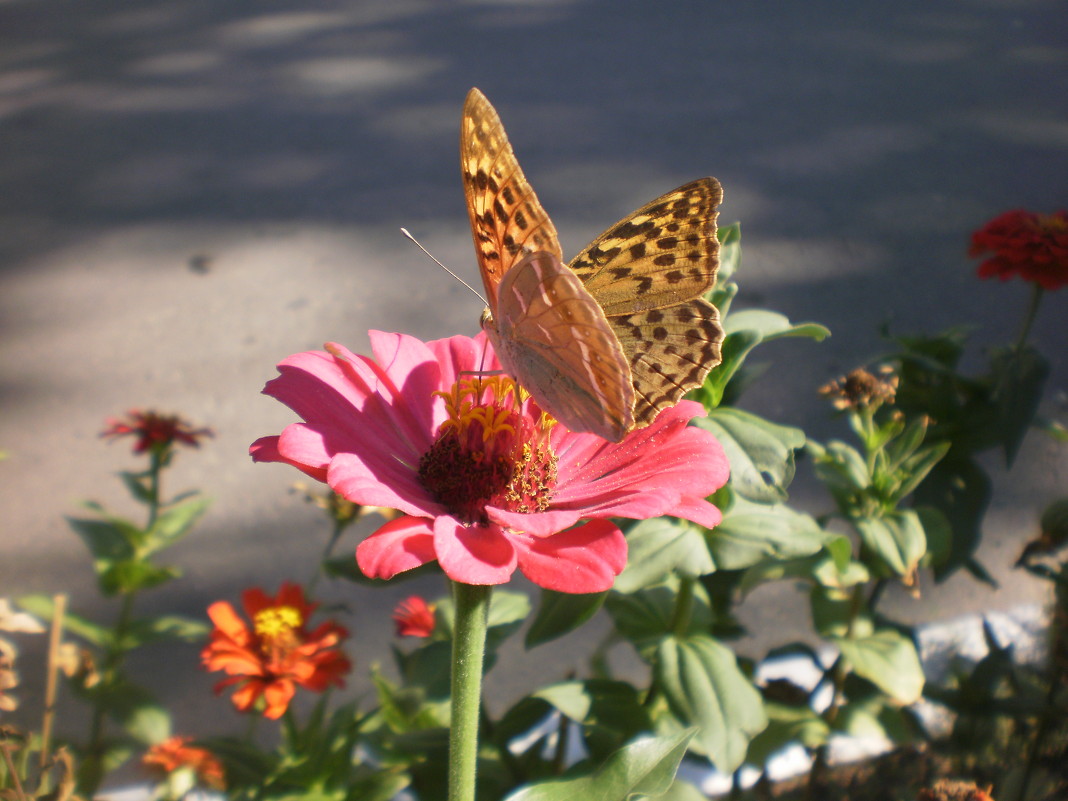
{"x":277,"y":653}
{"x":486,"y":482}
{"x":1032,"y":246}
{"x":174,"y":754}
{"x":155,"y":430}
{"x":414,"y":617}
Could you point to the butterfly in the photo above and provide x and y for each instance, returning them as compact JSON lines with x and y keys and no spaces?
{"x":622,"y":332}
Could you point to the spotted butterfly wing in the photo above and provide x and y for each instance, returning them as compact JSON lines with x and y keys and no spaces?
{"x":548,"y":332}
{"x":652,"y":338}
{"x":649,"y":273}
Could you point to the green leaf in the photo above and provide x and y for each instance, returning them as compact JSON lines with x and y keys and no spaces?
{"x":124,"y":578}
{"x":786,"y":725}
{"x":733,"y":350}
{"x":888,"y":660}
{"x":681,"y":791}
{"x":108,"y":541}
{"x":896,"y":538}
{"x":660,"y":546}
{"x":174,"y":523}
{"x":646,"y":767}
{"x":917,"y":468}
{"x":705,"y":687}
{"x":167,"y":628}
{"x":244,"y":763}
{"x":1019,"y":377}
{"x":137,"y":485}
{"x":832,"y":567}
{"x":960,"y":490}
{"x":610,"y":712}
{"x":841,"y":468}
{"x":138,"y":712}
{"x":937,"y":532}
{"x":760,"y":453}
{"x":560,"y":613}
{"x":646,"y":617}
{"x":42,"y":606}
{"x":773,"y":325}
{"x":730,"y":251}
{"x":752,"y":533}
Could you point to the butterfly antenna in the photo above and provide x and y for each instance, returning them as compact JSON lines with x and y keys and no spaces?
{"x":442,"y":266}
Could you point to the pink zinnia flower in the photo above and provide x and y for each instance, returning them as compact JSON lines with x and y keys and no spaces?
{"x":485,"y":481}
{"x":414,"y":617}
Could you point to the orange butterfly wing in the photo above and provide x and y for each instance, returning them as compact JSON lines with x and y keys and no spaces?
{"x":548,"y":331}
{"x":552,"y":337}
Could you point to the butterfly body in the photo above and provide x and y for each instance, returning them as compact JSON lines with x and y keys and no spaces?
{"x":605,"y":343}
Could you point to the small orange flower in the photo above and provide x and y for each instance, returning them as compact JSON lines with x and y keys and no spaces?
{"x":174,"y":753}
{"x":277,"y":653}
{"x":1032,"y":246}
{"x":154,"y":430}
{"x":414,"y":617}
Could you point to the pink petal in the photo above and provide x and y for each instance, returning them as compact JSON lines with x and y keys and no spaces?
{"x":699,"y":511}
{"x":399,"y":545}
{"x":583,"y":559}
{"x":473,"y":554}
{"x":537,"y":524}
{"x":650,"y":473}
{"x":457,"y":354}
{"x":374,"y":479}
{"x":265,"y":449}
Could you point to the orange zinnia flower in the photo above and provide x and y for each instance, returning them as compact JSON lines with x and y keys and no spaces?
{"x":277,"y":653}
{"x":174,"y":753}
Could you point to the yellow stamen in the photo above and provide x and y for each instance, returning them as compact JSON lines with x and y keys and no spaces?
{"x":277,"y":621}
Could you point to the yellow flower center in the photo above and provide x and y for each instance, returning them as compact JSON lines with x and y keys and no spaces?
{"x":488,"y":452}
{"x":277,"y":623}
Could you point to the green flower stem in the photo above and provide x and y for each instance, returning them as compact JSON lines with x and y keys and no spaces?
{"x":468,"y":649}
{"x":680,"y":623}
{"x":1029,"y":319}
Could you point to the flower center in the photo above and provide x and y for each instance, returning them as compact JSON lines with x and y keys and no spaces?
{"x":491,"y":451}
{"x":277,"y":628}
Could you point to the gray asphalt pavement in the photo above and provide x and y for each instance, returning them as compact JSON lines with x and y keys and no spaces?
{"x":191,"y":191}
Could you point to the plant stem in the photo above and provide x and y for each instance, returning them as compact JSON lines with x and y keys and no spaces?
{"x":680,"y":622}
{"x":59,"y":609}
{"x":468,"y":649}
{"x":1029,"y":319}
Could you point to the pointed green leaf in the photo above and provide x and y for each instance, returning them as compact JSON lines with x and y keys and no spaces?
{"x":646,"y":767}
{"x":560,"y":613}
{"x":897,"y":539}
{"x":773,"y":325}
{"x":754,"y":532}
{"x":167,"y":627}
{"x":1019,"y":378}
{"x":659,"y":546}
{"x":730,"y":251}
{"x":705,"y":687}
{"x":888,"y":660}
{"x":760,"y":453}
{"x":108,"y":541}
{"x":175,"y":522}
{"x":733,"y":350}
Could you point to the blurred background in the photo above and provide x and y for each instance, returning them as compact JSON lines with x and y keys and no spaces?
{"x":191,"y":190}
